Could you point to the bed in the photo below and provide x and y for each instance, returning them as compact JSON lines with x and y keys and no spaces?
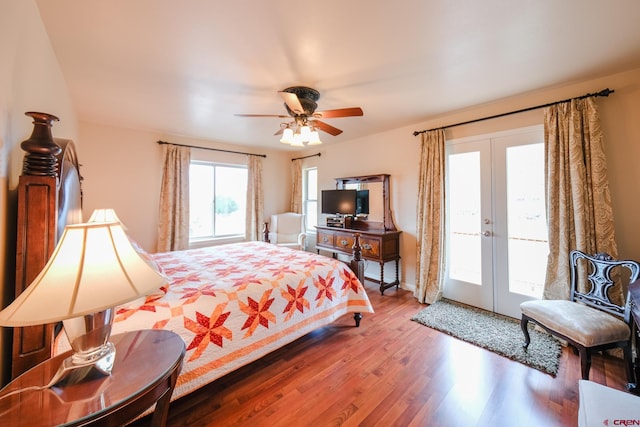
{"x":231,"y":304}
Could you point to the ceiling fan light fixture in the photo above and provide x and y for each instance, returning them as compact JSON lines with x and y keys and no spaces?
{"x":300,"y":104}
{"x":287,"y":136}
{"x":305,"y":133}
{"x":314,"y":138}
{"x":297,"y":140}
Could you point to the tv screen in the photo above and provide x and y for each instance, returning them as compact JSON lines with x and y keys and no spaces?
{"x":339,"y":202}
{"x":362,"y":202}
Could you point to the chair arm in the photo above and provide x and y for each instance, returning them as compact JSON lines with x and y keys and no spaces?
{"x":302,"y":239}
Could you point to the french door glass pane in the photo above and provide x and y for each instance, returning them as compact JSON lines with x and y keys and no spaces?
{"x":527,"y":223}
{"x":465,"y":260}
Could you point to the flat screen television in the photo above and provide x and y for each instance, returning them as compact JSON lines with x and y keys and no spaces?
{"x":341,"y":202}
{"x":362,"y":202}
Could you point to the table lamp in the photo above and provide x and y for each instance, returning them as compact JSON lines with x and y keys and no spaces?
{"x":105,"y":215}
{"x":93,"y":268}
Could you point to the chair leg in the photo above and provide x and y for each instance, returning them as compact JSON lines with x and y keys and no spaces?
{"x":585,"y":362}
{"x":629,"y":371}
{"x":524,"y":322}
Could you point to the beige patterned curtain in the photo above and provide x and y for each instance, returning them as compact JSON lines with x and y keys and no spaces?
{"x":579,"y":211}
{"x":430,"y":220}
{"x":173,"y":228}
{"x":296,"y":186}
{"x":255,"y":200}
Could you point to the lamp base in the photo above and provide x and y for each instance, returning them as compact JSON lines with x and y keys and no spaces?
{"x":89,"y":339}
{"x":77,"y":367}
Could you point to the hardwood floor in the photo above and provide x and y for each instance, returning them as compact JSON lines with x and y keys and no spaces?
{"x":390,"y":372}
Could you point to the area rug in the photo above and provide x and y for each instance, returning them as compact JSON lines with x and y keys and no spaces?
{"x":494,"y":332}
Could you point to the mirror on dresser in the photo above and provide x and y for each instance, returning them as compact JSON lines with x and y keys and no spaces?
{"x":379,"y":200}
{"x":375,"y":202}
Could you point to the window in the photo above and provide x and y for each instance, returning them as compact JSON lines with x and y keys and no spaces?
{"x":310,"y":197}
{"x":217,"y":200}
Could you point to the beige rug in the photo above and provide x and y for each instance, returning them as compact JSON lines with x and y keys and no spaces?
{"x":494,"y":332}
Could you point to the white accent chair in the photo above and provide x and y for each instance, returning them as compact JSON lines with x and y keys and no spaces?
{"x":288,"y":229}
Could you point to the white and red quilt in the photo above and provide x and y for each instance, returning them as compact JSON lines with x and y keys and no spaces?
{"x":233,"y":304}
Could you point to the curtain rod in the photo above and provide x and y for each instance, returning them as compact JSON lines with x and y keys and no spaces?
{"x":306,"y":157}
{"x":604,"y":92}
{"x":212,"y":149}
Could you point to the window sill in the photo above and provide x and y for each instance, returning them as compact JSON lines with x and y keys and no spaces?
{"x":202,"y":243}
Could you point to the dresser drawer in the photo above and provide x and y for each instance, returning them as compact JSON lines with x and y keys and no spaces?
{"x":370,"y":246}
{"x":325,"y":239}
{"x":344,"y":242}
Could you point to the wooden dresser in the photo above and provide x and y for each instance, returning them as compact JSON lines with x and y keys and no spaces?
{"x":377,"y":245}
{"x":379,"y":237}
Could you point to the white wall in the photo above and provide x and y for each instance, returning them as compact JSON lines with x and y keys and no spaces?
{"x":397,"y":153}
{"x":122,"y":169}
{"x":30,"y":80}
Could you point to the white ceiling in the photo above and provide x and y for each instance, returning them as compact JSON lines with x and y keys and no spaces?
{"x":185,"y":67}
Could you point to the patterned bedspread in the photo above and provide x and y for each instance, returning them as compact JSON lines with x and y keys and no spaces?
{"x":233,"y":304}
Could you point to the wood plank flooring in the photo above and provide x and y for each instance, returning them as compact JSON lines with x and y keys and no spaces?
{"x":390,"y":372}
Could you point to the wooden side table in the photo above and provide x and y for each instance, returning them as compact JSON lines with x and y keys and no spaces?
{"x":145,"y":371}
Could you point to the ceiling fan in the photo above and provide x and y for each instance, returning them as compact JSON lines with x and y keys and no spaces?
{"x":300,"y":103}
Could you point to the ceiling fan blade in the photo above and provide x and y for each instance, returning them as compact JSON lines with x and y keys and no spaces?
{"x":325,"y":127}
{"x":262,"y":115}
{"x":292,"y":101}
{"x":279,"y":131}
{"x":340,"y":112}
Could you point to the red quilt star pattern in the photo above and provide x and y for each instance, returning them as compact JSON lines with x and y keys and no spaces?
{"x":208,"y":329}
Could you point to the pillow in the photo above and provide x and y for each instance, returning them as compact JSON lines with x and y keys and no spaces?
{"x":147,"y":257}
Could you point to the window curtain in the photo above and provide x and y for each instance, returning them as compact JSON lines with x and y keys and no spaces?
{"x":579,"y":211}
{"x":255,"y":199}
{"x":296,"y":186}
{"x":173,"y":227}
{"x":430,"y":218}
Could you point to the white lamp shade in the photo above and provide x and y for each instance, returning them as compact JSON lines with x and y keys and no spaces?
{"x":104,"y":215}
{"x":305,"y":133}
{"x":297,"y":141}
{"x":287,"y":136}
{"x":93,"y":267}
{"x":314,"y":138}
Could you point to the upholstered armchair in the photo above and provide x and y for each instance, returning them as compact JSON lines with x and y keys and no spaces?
{"x":288,"y":229}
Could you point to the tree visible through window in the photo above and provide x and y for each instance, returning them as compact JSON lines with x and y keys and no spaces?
{"x":217,"y":200}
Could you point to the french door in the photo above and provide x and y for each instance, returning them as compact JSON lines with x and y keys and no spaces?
{"x":496,"y":232}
